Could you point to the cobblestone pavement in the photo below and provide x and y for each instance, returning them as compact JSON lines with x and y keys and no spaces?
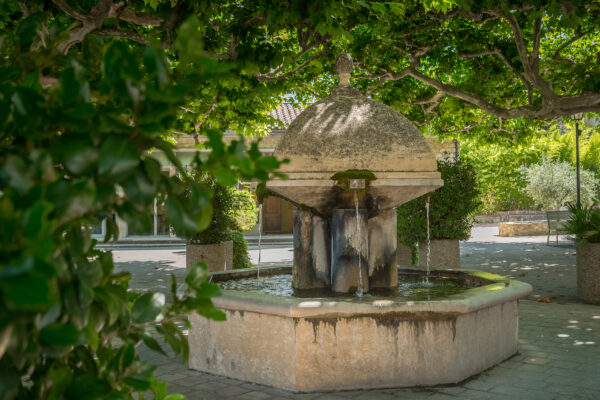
{"x":559,"y":342}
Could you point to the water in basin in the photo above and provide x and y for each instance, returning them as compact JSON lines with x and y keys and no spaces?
{"x":410,"y":288}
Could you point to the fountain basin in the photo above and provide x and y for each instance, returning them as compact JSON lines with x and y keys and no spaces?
{"x":317,"y":344}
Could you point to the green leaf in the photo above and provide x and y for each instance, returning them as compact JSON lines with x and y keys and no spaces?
{"x":118,"y":157}
{"x":138,"y":382}
{"x":90,"y":273}
{"x":86,"y":387}
{"x":113,"y":299}
{"x":174,"y":397}
{"x":182,"y":220}
{"x":197,"y":275}
{"x":148,"y":307}
{"x":19,"y":174}
{"x":28,"y":292}
{"x":189,"y":42}
{"x":60,"y":335}
{"x":152,"y":344}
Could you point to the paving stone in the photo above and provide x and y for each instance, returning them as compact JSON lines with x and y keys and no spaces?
{"x":330,"y":396}
{"x":375,"y":395}
{"x":210,"y":386}
{"x":451,"y":390}
{"x":254,"y":396}
{"x":356,"y":393}
{"x":231,"y":391}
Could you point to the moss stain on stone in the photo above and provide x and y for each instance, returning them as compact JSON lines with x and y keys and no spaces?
{"x":343,"y":178}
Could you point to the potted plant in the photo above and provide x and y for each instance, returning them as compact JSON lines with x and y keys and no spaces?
{"x":450,"y":216}
{"x":584,"y":224}
{"x":222,"y":245}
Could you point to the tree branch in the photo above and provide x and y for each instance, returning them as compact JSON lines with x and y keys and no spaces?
{"x":537,"y":38}
{"x":272,"y":76}
{"x":89,"y":23}
{"x":204,"y":118}
{"x":170,"y":23}
{"x":498,"y":52}
{"x":128,"y":15}
{"x":63,"y":5}
{"x":530,"y":66}
{"x":122,"y":34}
{"x":571,"y":41}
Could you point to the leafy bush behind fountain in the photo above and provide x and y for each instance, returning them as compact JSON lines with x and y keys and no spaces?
{"x":451,"y":207}
{"x":234,"y":211}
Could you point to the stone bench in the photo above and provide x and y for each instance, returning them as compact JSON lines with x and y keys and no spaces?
{"x":523,"y":228}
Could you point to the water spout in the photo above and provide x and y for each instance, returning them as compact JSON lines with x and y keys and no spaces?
{"x":360,"y":290}
{"x":259,"y":239}
{"x":428,"y":237}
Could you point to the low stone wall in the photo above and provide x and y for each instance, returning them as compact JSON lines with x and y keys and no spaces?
{"x":510,"y":216}
{"x":523,"y":228}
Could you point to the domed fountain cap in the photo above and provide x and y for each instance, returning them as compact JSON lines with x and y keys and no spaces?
{"x":349,"y":131}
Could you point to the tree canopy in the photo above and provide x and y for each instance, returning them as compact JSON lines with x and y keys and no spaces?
{"x":451,"y":65}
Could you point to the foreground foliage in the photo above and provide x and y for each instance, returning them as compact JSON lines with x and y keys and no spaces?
{"x":77,"y":136}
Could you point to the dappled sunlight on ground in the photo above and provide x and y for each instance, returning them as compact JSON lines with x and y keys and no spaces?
{"x":550,"y":270}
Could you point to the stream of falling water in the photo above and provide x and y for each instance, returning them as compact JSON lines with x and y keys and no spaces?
{"x":359,"y":292}
{"x":428,"y":240}
{"x":259,"y":239}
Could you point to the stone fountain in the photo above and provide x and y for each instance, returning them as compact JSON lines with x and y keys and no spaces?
{"x":347,"y":152}
{"x":352,"y":160}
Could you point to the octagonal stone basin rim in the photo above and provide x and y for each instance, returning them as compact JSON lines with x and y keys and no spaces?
{"x":500,"y":290}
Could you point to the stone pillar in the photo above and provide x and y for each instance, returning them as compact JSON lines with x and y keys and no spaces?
{"x":383,"y":270}
{"x":346,"y":249}
{"x":311,"y":251}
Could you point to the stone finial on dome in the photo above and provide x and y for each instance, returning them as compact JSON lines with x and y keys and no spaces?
{"x":344,"y":67}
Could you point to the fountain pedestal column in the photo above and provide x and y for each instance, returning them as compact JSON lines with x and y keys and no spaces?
{"x":312,"y":251}
{"x":349,"y":248}
{"x":383,"y":243}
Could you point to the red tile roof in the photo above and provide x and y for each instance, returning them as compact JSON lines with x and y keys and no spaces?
{"x":286,"y":113}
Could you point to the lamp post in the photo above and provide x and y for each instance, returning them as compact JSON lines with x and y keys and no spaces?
{"x":577,"y":117}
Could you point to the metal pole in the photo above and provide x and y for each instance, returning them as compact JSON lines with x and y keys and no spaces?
{"x":577,"y":134}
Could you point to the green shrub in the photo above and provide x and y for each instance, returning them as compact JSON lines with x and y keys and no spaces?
{"x":497,"y":164}
{"x":497,"y":173}
{"x":234,"y":211}
{"x":451,"y":207}
{"x":551,"y":184}
{"x":240,"y":250}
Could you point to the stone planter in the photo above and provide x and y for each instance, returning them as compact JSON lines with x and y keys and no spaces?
{"x":445,"y":253}
{"x":218,"y":256}
{"x":588,"y":272}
